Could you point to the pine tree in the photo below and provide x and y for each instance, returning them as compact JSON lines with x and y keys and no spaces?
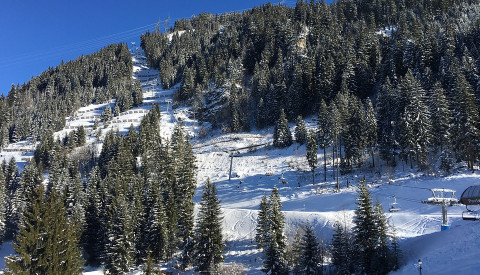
{"x":46,"y":243}
{"x":465,"y":122}
{"x":342,"y":250}
{"x":311,"y":261}
{"x":300,"y":131}
{"x":209,"y":239}
{"x":94,"y":235}
{"x":107,"y":114}
{"x":119,"y":243}
{"x":282,"y":137}
{"x":335,"y":130}
{"x":262,"y":223}
{"x":386,"y":118}
{"x":440,"y":117}
{"x":3,"y":205}
{"x":274,"y":249}
{"x":324,"y":135}
{"x":370,"y":129}
{"x":156,"y":227}
{"x":312,"y":149}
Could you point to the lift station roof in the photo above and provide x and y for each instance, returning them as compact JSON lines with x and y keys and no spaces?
{"x":471,"y":195}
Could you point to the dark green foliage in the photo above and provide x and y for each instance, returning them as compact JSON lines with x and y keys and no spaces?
{"x":300,"y":131}
{"x":282,"y":137}
{"x":41,"y":105}
{"x":271,"y":236}
{"x":262,"y":223}
{"x":324,"y":135}
{"x":292,"y":58}
{"x":342,"y":251}
{"x":312,"y":151}
{"x":47,"y":242}
{"x":3,"y":205}
{"x":107,"y":114}
{"x":311,"y":255}
{"x":209,"y":244}
{"x":371,"y":238}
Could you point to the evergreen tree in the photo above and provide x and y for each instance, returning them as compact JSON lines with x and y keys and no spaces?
{"x":209,"y":239}
{"x":386,"y":122}
{"x":311,"y":261}
{"x":365,"y":231}
{"x":370,"y":129}
{"x":46,"y":243}
{"x":282,"y":137}
{"x":465,"y":122}
{"x":274,"y":249}
{"x":119,"y":243}
{"x":312,"y":149}
{"x":300,"y":131}
{"x":342,"y":250}
{"x":324,"y":136}
{"x":12,"y":181}
{"x":440,"y":117}
{"x":262,"y":223}
{"x":107,"y":114}
{"x":3,"y":205}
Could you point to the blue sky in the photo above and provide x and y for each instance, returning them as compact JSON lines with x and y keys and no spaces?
{"x":35,"y":35}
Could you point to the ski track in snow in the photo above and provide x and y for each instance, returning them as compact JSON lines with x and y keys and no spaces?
{"x":256,"y":171}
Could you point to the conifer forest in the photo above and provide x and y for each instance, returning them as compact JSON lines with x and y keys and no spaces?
{"x":350,"y":100}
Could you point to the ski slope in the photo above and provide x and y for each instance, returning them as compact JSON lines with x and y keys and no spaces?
{"x":255,"y":171}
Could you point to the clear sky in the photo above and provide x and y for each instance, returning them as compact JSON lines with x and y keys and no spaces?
{"x":35,"y":34}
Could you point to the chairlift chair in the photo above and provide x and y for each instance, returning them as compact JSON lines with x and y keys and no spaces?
{"x":470,"y":215}
{"x":471,"y":196}
{"x":283,"y":180}
{"x":394,"y":207}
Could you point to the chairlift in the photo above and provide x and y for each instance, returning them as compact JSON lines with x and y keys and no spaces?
{"x":470,"y":215}
{"x":269,"y":173}
{"x":471,"y":196}
{"x":394,"y":207}
{"x":283,"y":180}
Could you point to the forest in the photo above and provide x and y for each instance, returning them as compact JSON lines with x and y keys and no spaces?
{"x":394,"y":78}
{"x":415,"y":62}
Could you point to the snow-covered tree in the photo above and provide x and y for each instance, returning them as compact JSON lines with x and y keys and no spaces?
{"x":282,"y":137}
{"x":209,"y":244}
{"x":300,"y":131}
{"x":311,"y":257}
{"x":312,"y":150}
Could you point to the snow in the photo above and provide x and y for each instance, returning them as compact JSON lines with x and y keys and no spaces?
{"x":256,"y":170}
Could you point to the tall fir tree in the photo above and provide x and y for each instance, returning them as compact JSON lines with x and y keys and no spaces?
{"x":209,"y":244}
{"x":282,"y":137}
{"x":312,"y":151}
{"x":300,"y":131}
{"x":311,"y":260}
{"x":262,"y":223}
{"x":46,"y":243}
{"x":324,"y":135}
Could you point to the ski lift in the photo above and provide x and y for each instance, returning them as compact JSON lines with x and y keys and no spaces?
{"x":394,"y":207}
{"x":444,"y":198}
{"x":470,"y":215}
{"x":269,"y":173}
{"x":283,"y":180}
{"x":471,"y":196}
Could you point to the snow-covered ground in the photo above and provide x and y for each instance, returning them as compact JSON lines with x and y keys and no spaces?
{"x":256,"y":170}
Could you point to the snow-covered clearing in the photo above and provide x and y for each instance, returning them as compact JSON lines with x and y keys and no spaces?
{"x":256,"y":170}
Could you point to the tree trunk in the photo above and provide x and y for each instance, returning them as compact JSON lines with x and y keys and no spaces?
{"x":325,"y":163}
{"x":373,"y":158}
{"x":334,"y":147}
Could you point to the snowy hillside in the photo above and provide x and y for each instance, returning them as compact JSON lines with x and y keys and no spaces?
{"x":257,"y":169}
